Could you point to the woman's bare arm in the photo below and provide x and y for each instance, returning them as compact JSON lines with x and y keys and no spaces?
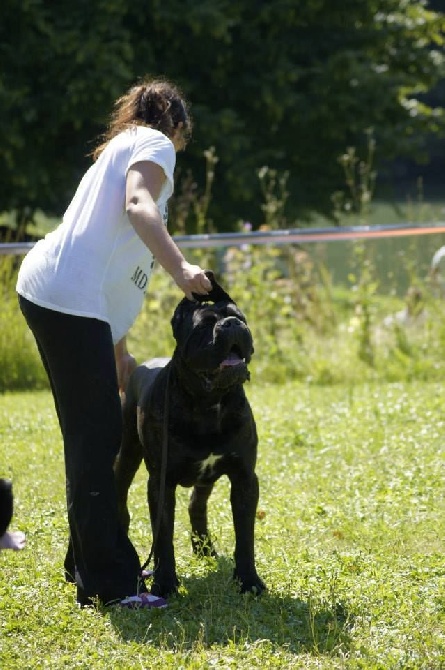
{"x":144,"y":184}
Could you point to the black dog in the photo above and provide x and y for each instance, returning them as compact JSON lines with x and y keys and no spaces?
{"x":193,"y":407}
{"x":8,"y":539}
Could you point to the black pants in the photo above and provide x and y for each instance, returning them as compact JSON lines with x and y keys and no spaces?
{"x":78,"y":356}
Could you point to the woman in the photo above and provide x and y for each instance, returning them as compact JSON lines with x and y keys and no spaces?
{"x":80,"y":290}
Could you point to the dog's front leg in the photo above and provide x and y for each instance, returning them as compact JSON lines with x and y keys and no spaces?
{"x":165,"y":581}
{"x":244,"y":499}
{"x":201,"y":541}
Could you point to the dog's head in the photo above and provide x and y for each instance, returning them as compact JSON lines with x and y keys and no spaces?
{"x":213,"y":340}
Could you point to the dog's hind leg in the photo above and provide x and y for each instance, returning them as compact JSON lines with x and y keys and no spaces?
{"x":127,"y":464}
{"x":201,"y":541}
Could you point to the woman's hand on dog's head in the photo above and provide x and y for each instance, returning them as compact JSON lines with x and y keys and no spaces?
{"x":193,"y":279}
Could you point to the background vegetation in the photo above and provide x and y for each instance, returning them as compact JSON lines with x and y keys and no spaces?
{"x":323,"y":314}
{"x":279,"y":84}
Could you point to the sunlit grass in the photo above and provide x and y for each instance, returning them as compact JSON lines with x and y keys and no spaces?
{"x":349,"y":539}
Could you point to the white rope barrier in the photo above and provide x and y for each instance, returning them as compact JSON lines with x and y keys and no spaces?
{"x":279,"y":237}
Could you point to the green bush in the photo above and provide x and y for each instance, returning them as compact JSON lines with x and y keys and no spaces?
{"x":304,"y":328}
{"x":20,"y":366}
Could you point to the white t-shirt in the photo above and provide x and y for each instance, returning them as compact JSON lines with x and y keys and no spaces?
{"x":94,"y":264}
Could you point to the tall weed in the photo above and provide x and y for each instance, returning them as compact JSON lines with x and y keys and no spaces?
{"x":303,"y":327}
{"x":20,"y":366}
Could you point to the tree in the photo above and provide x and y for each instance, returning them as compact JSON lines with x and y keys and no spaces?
{"x":292,"y":88}
{"x":283,"y":84}
{"x":62,"y":63}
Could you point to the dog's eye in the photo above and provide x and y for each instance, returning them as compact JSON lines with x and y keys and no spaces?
{"x":233,"y":311}
{"x":208,"y":320}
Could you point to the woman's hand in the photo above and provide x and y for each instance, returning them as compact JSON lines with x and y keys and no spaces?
{"x":192,"y":279}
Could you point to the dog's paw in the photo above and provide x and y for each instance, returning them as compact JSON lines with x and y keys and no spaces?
{"x":202,"y":546}
{"x":164,"y":585}
{"x":250,"y":583}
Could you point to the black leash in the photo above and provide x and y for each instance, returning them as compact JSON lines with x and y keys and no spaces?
{"x":163,"y":475}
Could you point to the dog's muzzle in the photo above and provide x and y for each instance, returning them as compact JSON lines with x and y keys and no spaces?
{"x":233,"y":339}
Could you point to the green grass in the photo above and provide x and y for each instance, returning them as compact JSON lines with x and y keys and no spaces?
{"x":349,"y":539}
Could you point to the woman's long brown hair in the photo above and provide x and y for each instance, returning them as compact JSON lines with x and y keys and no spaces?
{"x":156,"y":103}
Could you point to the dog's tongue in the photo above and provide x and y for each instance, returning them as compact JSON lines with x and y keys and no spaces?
{"x":232,"y":359}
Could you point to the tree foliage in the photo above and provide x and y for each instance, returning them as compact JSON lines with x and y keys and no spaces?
{"x":62,"y":63}
{"x":283,"y":84}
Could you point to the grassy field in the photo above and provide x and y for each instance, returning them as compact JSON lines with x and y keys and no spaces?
{"x":349,"y":539}
{"x":350,"y":530}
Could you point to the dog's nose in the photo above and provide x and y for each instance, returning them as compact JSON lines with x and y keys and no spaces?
{"x":229,"y":322}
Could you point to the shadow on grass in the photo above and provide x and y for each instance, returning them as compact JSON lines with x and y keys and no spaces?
{"x":210,"y":611}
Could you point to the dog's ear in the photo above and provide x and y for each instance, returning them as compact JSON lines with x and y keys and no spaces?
{"x":216,"y":294}
{"x":182,"y":309}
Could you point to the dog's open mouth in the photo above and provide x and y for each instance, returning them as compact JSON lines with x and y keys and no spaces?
{"x":234,"y":358}
{"x":232,"y":370}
